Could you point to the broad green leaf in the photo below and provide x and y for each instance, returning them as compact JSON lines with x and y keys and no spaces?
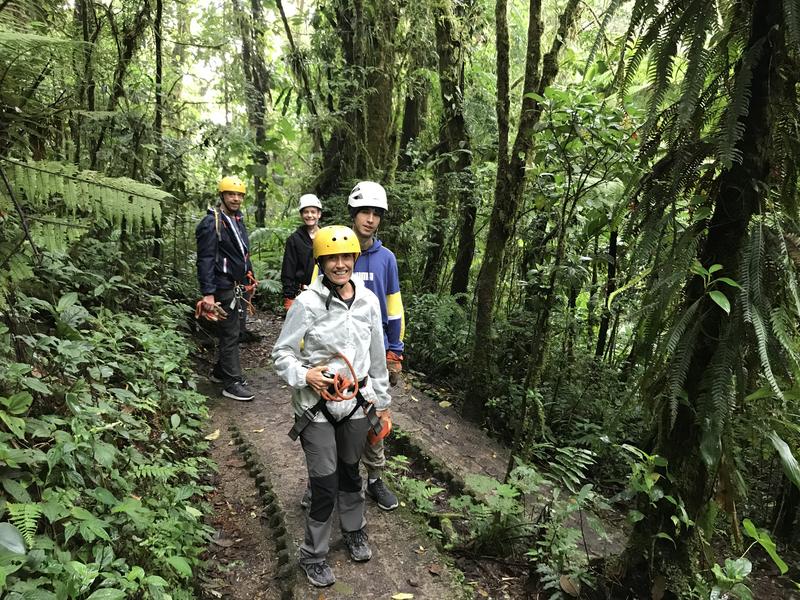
{"x":721,"y":300}
{"x":729,"y":281}
{"x":181,"y":565}
{"x":35,"y":384}
{"x":18,"y":403}
{"x":175,"y":420}
{"x":66,"y":301}
{"x":15,"y":424}
{"x":762,"y":537}
{"x":788,"y":461}
{"x":714,"y":268}
{"x":16,"y":490}
{"x":11,"y":539}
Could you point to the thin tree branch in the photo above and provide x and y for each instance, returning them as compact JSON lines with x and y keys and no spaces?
{"x":22,"y":217}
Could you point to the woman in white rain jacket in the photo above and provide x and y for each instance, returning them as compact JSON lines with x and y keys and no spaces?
{"x":336,"y":315}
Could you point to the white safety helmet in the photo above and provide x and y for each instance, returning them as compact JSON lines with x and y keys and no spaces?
{"x":368,"y":193}
{"x":307,"y":200}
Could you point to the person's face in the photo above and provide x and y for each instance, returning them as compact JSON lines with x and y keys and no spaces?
{"x":338,"y":267}
{"x":366,"y":223}
{"x":310,"y":215}
{"x":233,"y":200}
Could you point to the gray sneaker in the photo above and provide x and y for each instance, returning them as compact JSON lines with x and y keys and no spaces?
{"x":356,"y":542}
{"x":384,"y":497}
{"x":238,"y":391}
{"x":319,"y":573}
{"x":305,"y":501}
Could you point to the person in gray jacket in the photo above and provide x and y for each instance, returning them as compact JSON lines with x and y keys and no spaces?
{"x":334,"y":328}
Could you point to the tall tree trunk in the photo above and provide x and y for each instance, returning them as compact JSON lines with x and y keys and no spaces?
{"x":380,"y":138}
{"x":737,"y":194}
{"x":415,"y":109}
{"x":158,"y":118}
{"x":300,"y":73}
{"x":256,"y":89}
{"x":363,"y":145}
{"x":611,"y":285}
{"x":453,"y":169}
{"x":510,"y":181}
{"x":127,"y":43}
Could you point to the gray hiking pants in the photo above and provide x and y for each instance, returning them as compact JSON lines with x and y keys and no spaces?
{"x":374,"y":459}
{"x":332,"y":456}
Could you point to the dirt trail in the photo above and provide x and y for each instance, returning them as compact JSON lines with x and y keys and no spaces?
{"x":403,"y":558}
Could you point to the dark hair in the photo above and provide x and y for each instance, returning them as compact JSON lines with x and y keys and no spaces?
{"x":355,"y":210}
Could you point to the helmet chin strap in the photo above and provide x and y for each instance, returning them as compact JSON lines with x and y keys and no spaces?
{"x":334,"y":289}
{"x":225,"y":204}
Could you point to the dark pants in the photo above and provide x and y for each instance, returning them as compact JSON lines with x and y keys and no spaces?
{"x":228,"y":367}
{"x":332,"y":456}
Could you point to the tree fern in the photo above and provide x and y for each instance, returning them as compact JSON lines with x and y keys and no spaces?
{"x":25,"y":517}
{"x":57,"y":193}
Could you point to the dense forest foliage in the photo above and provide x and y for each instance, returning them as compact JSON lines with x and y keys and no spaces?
{"x":594,"y":207}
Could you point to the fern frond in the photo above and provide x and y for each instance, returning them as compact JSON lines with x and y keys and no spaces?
{"x":791,"y":17}
{"x":732,"y":127}
{"x":679,"y":368}
{"x":25,"y":517}
{"x":785,"y":332}
{"x":601,"y":32}
{"x":762,"y":340}
{"x":49,"y":185}
{"x":676,"y":335}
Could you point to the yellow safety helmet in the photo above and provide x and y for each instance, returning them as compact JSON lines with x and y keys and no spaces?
{"x":231,"y":184}
{"x":336,"y":239}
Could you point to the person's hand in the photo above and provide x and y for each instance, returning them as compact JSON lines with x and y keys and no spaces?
{"x":394,"y":366}
{"x":316,"y":380}
{"x":209,"y":299}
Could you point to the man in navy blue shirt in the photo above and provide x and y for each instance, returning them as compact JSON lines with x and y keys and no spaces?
{"x":223,"y":261}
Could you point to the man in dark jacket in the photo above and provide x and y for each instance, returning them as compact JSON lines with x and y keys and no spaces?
{"x":223,"y":261}
{"x":298,"y":262}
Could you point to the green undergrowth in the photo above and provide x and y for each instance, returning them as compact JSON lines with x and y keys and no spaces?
{"x":102,"y":460}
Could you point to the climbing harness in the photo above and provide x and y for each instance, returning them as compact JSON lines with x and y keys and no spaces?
{"x":339,"y":390}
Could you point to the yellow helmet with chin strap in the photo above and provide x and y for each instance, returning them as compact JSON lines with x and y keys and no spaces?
{"x":231,"y":184}
{"x":336,"y":239}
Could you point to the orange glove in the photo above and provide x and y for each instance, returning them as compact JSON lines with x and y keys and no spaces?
{"x":287,"y":302}
{"x":386,"y":421}
{"x":395,"y":366}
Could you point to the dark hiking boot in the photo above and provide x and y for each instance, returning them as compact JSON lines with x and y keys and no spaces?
{"x":382,"y":495}
{"x":356,"y":542}
{"x":319,"y":574}
{"x":238,"y":391}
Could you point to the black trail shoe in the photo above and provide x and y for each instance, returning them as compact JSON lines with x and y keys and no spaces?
{"x":319,"y":574}
{"x":356,"y":542}
{"x":238,"y":391}
{"x":384,"y":497}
